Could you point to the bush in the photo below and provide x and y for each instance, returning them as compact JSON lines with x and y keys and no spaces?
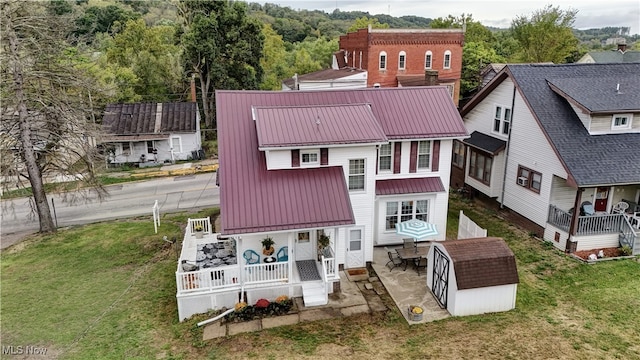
{"x":626,"y":250}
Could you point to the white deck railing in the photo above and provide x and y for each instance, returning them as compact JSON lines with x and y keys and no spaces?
{"x":266,"y":273}
{"x":208,"y":279}
{"x":193,"y":224}
{"x":329,"y":265}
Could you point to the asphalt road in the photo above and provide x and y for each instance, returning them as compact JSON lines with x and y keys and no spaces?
{"x":125,"y":200}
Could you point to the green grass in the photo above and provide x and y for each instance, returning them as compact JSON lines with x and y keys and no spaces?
{"x":107,"y":291}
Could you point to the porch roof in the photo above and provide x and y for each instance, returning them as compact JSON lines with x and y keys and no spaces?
{"x":485,"y":142}
{"x":126,"y":138}
{"x":409,"y":186}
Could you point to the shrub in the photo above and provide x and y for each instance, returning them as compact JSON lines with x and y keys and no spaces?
{"x":626,"y":250}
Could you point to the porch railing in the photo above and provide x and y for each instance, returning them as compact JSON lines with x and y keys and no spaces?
{"x":329,"y":265}
{"x":628,"y":235}
{"x":208,"y":279}
{"x":201,"y":223}
{"x":266,"y":273}
{"x":587,"y":225}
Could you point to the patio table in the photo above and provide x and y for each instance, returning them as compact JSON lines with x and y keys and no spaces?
{"x":409,"y":254}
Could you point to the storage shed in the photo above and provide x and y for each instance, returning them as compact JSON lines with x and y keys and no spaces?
{"x":473,"y":276}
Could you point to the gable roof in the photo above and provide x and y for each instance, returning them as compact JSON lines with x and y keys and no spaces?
{"x":615,"y":56}
{"x":287,"y":126}
{"x":612,"y":94}
{"x":254,"y":199}
{"x":482,"y":262}
{"x":590,"y":160}
{"x":150,"y":118}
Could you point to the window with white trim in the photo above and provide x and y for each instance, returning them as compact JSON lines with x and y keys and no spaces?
{"x":309,"y":157}
{"x":355,"y":239}
{"x":356,"y":174}
{"x":383,"y":60}
{"x":621,"y":121}
{"x":447,"y":60}
{"x":176,"y":144}
{"x":480,"y":166}
{"x":402,"y":60}
{"x":529,"y":179}
{"x":385,"y":158}
{"x":424,"y":154}
{"x":410,"y":209}
{"x":428,"y":57}
{"x":502,"y":120}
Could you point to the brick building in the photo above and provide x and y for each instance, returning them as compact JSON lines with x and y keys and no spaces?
{"x":401,"y":57}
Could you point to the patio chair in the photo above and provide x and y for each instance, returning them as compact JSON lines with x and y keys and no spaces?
{"x":408,"y":243}
{"x":620,"y":208}
{"x":251,"y":257}
{"x":283,"y":254}
{"x":394,"y":261}
{"x":420,"y":263}
{"x":586,"y":208}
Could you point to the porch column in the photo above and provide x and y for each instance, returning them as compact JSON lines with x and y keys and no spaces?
{"x":573,"y":225}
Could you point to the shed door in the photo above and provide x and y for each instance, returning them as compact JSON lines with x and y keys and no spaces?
{"x":440,"y":285}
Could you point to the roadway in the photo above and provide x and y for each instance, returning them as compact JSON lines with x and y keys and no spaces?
{"x":178,"y":193}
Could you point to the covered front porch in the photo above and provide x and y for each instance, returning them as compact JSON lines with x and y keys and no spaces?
{"x":215,"y":271}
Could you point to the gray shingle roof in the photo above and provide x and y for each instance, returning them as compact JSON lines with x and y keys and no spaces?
{"x":612,"y":93}
{"x":590,"y":159}
{"x":485,"y":142}
{"x":615,"y":56}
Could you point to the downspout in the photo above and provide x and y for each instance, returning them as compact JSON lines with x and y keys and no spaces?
{"x":506,"y":151}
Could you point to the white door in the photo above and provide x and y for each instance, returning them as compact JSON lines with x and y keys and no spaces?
{"x":304,"y":246}
{"x":355,"y":248}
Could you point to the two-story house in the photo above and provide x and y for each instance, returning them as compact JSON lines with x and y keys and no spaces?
{"x":301,"y":166}
{"x":559,"y":145}
{"x":394,"y":56}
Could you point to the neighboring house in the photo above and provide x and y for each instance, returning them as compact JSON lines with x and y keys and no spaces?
{"x":339,"y":77}
{"x":151,"y":132}
{"x":547,"y":138}
{"x":298,"y":165}
{"x":621,"y":55}
{"x":489,"y":72}
{"x":389,"y":55}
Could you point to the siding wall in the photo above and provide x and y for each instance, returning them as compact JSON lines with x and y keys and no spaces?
{"x":601,"y":124}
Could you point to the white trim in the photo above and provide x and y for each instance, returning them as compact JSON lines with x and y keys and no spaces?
{"x":315,"y":152}
{"x":430,"y":55}
{"x":364,"y":174}
{"x":626,"y":126}
{"x":502,"y":118}
{"x":402,"y":65}
{"x":173,"y":145}
{"x":390,"y":169}
{"x":446,"y":62}
{"x":386,"y":60}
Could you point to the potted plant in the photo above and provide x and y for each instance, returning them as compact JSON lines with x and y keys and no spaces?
{"x":323,"y":242}
{"x":267,"y":246}
{"x":198,"y":231}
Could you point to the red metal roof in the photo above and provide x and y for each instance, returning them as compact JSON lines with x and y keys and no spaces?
{"x":317,"y":125}
{"x":409,"y":186}
{"x":253,"y":199}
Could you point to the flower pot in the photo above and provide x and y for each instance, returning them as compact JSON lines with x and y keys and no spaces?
{"x":199,"y":234}
{"x":415,"y":313}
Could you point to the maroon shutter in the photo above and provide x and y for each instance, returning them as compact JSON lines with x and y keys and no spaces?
{"x":413,"y":157}
{"x":397,"y":154}
{"x":377,"y":158}
{"x":324,"y":156}
{"x":295,"y":158}
{"x":436,"y":156}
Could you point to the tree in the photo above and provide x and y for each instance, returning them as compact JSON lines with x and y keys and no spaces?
{"x":152,"y":55}
{"x":273,"y":60}
{"x":364,"y":22}
{"x":223,"y":46}
{"x":98,"y":19}
{"x":46,"y":103}
{"x":546,"y":36}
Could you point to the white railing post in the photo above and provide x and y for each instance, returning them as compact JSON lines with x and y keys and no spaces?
{"x":156,"y":216}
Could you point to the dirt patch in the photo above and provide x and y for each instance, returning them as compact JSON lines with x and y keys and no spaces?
{"x":608,"y":252}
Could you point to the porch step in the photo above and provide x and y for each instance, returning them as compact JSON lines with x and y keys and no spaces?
{"x":314,"y":293}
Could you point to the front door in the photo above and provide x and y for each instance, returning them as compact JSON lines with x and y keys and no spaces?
{"x":602,"y":194}
{"x":304,"y":246}
{"x":355,"y":249}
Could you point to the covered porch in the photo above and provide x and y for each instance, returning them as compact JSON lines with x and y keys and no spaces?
{"x":216,"y":271}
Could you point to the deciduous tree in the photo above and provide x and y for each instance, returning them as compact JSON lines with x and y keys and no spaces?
{"x":46,"y":104}
{"x":364,"y":22}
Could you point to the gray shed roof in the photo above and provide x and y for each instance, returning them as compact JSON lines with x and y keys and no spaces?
{"x":590,"y":160}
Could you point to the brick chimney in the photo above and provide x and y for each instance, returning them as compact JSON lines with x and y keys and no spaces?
{"x":193,"y":87}
{"x":431,"y":77}
{"x":622,"y":47}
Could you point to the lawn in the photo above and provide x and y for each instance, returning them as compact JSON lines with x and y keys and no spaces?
{"x":107,"y":291}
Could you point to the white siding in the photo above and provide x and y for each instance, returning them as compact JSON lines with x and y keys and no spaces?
{"x":597,"y":241}
{"x":355,"y":81}
{"x":601,"y":124}
{"x":583,"y":116}
{"x":530,"y":148}
{"x":279,"y":159}
{"x":483,"y":300}
{"x":562,"y":195}
{"x":550,"y":234}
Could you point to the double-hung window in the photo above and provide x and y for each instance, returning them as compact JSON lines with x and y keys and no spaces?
{"x":447,"y":60}
{"x":529,"y":179}
{"x":402,"y":59}
{"x":356,"y":174}
{"x":428,"y":57}
{"x":458,"y":154}
{"x":424,"y":154}
{"x":383,"y":60}
{"x":502,"y":120}
{"x":480,"y":166}
{"x":398,"y":211}
{"x":385,"y":158}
